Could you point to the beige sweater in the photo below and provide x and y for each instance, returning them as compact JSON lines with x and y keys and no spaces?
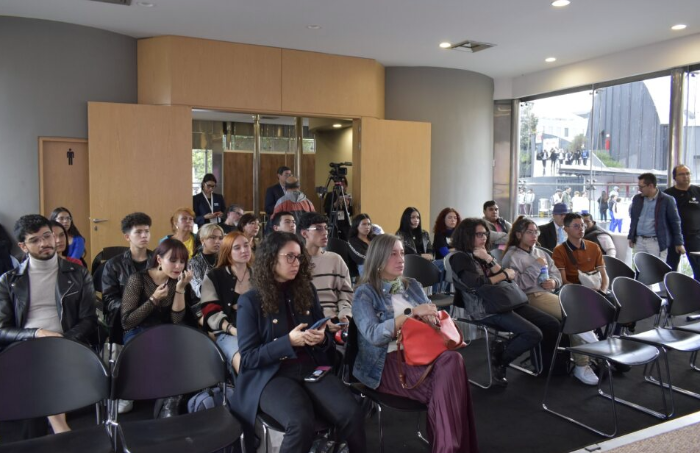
{"x":332,"y":281}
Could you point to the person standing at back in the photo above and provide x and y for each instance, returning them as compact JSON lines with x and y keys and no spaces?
{"x":208,"y":206}
{"x":687,"y":198}
{"x":275,"y":192}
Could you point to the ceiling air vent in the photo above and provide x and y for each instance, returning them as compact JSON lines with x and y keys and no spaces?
{"x":114,"y":2}
{"x":471,"y":46}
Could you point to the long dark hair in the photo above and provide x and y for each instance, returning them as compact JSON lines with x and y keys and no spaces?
{"x":263,"y":278}
{"x":440,"y":226}
{"x":356,"y":221}
{"x":604,"y":196}
{"x":73,"y":230}
{"x":519,"y":226}
{"x":465,"y":233}
{"x":405,"y":225}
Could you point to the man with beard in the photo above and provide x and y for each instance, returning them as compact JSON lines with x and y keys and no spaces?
{"x":45,"y":296}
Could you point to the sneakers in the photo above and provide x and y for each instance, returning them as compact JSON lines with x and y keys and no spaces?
{"x":586,"y":375}
{"x":124,"y":406}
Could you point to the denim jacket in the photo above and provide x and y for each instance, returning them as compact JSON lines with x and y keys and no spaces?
{"x":374,"y":316}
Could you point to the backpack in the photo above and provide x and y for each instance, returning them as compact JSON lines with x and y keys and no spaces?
{"x":209,"y":398}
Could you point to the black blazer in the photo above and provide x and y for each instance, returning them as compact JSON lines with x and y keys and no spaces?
{"x":548,"y":235}
{"x":272,"y":194}
{"x":200,"y":205}
{"x":264,"y":343}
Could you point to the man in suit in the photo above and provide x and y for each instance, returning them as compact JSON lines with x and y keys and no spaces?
{"x":276,"y":192}
{"x":552,"y":233}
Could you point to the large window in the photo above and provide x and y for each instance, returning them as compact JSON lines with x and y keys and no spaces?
{"x":691,"y":124}
{"x":588,"y":146}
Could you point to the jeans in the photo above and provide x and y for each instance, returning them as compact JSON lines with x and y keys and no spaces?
{"x":129,"y":334}
{"x":673,"y":258}
{"x":529,"y":326}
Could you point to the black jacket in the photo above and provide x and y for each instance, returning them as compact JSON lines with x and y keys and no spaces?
{"x":593,"y":233}
{"x":548,"y":236}
{"x":200,"y":205}
{"x":410,"y":247}
{"x":114,"y":277}
{"x":272,"y":194}
{"x":75,"y":303}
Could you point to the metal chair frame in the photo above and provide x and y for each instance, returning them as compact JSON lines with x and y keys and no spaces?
{"x":684,"y":298}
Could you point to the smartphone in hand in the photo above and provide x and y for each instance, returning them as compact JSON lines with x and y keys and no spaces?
{"x":319,"y":323}
{"x":317,"y":374}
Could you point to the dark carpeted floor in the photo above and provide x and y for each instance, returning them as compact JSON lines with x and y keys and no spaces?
{"x":512,"y":419}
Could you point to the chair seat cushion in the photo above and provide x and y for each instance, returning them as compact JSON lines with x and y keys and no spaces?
{"x":673,"y":339}
{"x":94,"y":440}
{"x":398,"y":403}
{"x":693,"y":327}
{"x":618,"y":350}
{"x":271,"y":423}
{"x":203,"y":431}
{"x":441,"y":300}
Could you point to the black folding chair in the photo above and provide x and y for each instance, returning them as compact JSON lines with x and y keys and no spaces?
{"x":684,"y":298}
{"x":651,"y":271}
{"x":49,"y":376}
{"x":427,"y":274}
{"x":616,"y":268}
{"x":381,"y":400}
{"x":638,"y":301}
{"x":170,"y":360}
{"x":583,"y":310}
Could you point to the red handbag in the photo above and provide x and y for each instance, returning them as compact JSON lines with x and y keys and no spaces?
{"x":422,"y":343}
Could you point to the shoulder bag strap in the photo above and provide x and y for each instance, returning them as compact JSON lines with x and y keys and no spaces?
{"x":571,"y":255}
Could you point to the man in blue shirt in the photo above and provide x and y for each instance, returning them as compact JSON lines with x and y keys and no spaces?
{"x":655,"y":225}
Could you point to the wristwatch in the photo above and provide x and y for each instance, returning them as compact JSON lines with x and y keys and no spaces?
{"x":408,"y":312}
{"x":491,"y":263}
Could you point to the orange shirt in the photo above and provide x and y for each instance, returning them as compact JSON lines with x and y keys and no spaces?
{"x":589,"y":258}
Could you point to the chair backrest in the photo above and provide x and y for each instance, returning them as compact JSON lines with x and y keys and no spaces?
{"x":351,"y":350}
{"x":616,"y":268}
{"x":110,"y":252}
{"x":425,"y":272}
{"x":47,"y":376}
{"x":635,"y":299}
{"x":584,"y":309}
{"x":97,"y":277}
{"x":651,"y":269}
{"x":342,"y":248}
{"x":497,"y":254}
{"x":167,"y":360}
{"x":684,"y":292}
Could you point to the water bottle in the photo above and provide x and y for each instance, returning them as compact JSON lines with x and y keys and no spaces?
{"x":544,"y":275}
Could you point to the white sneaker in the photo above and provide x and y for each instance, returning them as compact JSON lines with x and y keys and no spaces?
{"x":586,"y":375}
{"x":124,"y":406}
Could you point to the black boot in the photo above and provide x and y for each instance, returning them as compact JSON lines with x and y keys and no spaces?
{"x":498,"y":366}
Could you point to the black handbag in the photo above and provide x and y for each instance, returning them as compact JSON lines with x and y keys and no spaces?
{"x":502,"y":297}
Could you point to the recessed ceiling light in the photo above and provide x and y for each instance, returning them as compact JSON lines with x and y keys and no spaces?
{"x":313,"y":27}
{"x":146,"y":4}
{"x":550,"y":60}
{"x":560,"y":3}
{"x":679,"y":27}
{"x":337,"y":125}
{"x":445,"y":45}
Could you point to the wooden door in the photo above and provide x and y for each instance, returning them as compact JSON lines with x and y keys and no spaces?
{"x":140,"y":160}
{"x":391,"y":170}
{"x":63,"y":181}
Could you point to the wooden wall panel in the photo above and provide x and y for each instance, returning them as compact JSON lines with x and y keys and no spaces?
{"x":154,"y":71}
{"x":238,"y":175}
{"x":140,"y":160}
{"x":331,"y":84}
{"x":395,"y":171}
{"x":66,"y":185}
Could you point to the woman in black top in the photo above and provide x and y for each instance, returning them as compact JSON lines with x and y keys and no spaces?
{"x":278,"y":350}
{"x":207,"y":205}
{"x":360,"y":236}
{"x":220,"y":291}
{"x":416,"y":241}
{"x":160,"y":294}
{"x":445,"y":224}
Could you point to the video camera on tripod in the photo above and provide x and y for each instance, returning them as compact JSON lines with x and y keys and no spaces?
{"x":339,"y":200}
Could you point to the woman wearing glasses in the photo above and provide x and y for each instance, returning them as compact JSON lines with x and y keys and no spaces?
{"x":208,"y":206}
{"x":475,"y":267}
{"x":76,"y":243}
{"x":279,"y":349}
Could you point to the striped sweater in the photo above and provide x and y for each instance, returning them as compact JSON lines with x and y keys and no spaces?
{"x":332,"y":281}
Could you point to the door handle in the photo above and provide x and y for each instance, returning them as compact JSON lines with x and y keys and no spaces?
{"x":99,"y":220}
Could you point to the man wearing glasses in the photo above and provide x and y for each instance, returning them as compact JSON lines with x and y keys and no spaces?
{"x":687,"y":198}
{"x":45,"y":296}
{"x":655,"y":225}
{"x":330,"y":274}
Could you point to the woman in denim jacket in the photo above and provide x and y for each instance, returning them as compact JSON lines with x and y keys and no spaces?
{"x":382,"y":303}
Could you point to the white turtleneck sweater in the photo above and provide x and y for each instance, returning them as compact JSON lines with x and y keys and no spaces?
{"x":43,"y":310}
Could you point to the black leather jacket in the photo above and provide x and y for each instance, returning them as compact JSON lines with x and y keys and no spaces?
{"x":75,"y":302}
{"x":114,"y":277}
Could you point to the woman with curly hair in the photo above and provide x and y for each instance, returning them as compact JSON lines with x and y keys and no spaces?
{"x":278,"y":351}
{"x":445,"y":224}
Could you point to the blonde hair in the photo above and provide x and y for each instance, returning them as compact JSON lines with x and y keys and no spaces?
{"x":176,"y":214}
{"x":208,"y":229}
{"x":378,"y":253}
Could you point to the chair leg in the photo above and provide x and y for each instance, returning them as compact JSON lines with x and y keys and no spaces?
{"x":489,"y":383}
{"x":693,"y":359}
{"x":266,"y":437}
{"x":666,"y":414}
{"x":420,"y":434}
{"x":649,"y":378}
{"x":536,"y":361}
{"x":381,"y":429}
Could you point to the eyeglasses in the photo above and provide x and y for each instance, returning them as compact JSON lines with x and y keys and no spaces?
{"x":292,"y":257}
{"x":481,"y":234}
{"x":37,"y":239}
{"x":318,"y":228}
{"x":642,"y":186}
{"x":535,"y":233}
{"x":64,"y":219}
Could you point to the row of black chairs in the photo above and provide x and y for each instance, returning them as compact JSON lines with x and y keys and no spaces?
{"x":49,"y":376}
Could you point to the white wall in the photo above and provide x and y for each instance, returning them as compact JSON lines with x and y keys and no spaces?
{"x":641,"y":60}
{"x":459,"y":105}
{"x":49,"y":71}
